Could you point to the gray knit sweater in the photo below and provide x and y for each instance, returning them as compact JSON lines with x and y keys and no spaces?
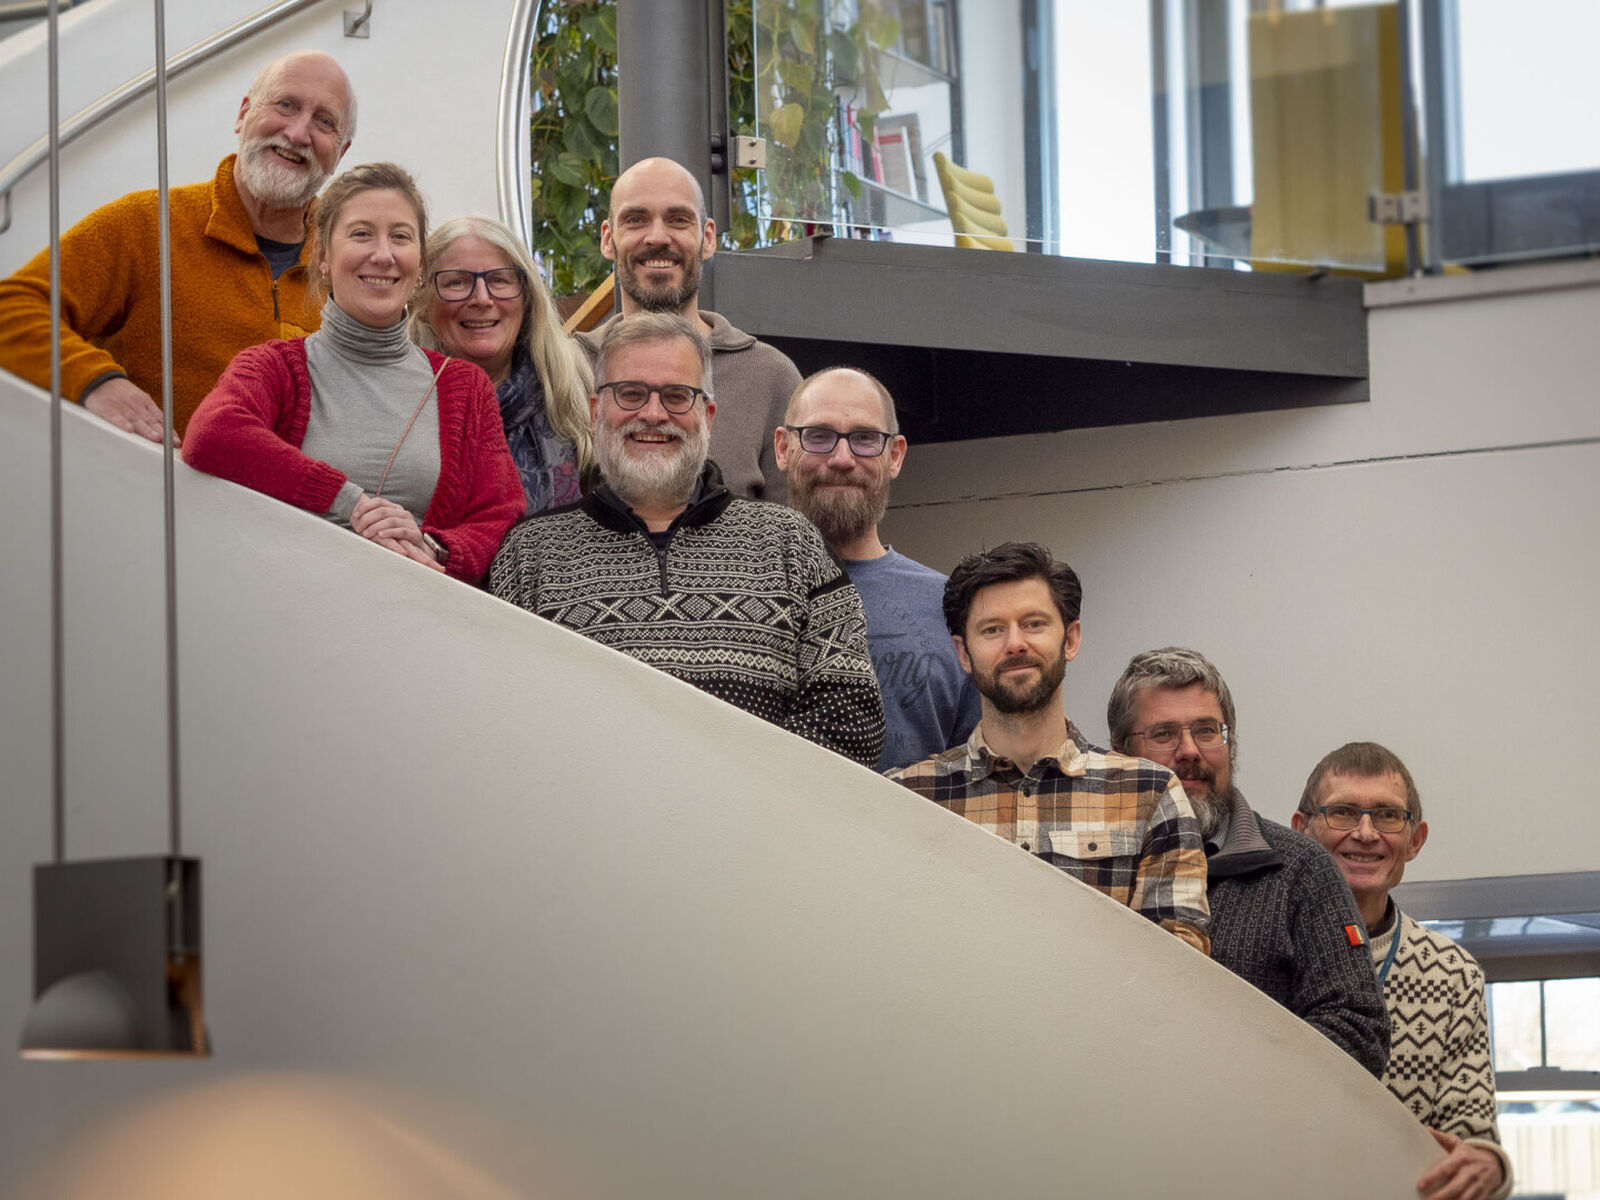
{"x":1280,"y":919}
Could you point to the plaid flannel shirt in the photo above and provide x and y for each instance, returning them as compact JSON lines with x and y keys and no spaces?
{"x":1122,"y":825}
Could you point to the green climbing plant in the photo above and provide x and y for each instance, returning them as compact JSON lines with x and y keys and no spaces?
{"x":574,"y":134}
{"x":794,"y":67}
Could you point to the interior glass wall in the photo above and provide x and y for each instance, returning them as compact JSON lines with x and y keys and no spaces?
{"x":1253,"y":134}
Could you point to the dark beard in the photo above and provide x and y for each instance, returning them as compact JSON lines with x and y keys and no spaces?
{"x":665,"y":299}
{"x":840,"y":516}
{"x":1035,"y":698}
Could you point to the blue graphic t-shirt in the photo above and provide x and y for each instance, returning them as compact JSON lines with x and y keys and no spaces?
{"x":929,"y":702}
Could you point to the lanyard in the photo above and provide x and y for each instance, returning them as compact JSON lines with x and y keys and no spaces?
{"x":1388,"y":959}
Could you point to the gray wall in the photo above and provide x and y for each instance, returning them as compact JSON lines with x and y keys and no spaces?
{"x":1419,"y":570}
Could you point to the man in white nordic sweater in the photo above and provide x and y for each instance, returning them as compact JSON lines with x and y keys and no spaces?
{"x":1362,"y":805}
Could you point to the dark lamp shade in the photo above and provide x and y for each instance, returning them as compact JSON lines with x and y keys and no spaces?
{"x":116,"y":960}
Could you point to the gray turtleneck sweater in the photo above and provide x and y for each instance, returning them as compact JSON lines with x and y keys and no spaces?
{"x":365,"y":384}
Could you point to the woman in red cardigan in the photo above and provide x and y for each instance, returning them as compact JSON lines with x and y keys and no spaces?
{"x":401,"y":445}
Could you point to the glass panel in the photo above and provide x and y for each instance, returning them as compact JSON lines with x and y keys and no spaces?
{"x":1514,"y":1009}
{"x":1248,"y":134}
{"x":1572,"y":1023}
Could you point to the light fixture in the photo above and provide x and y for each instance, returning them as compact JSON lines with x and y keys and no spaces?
{"x":116,"y":942}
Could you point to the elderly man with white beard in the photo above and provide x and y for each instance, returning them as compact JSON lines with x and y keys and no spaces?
{"x":240,"y":261}
{"x":660,"y":561}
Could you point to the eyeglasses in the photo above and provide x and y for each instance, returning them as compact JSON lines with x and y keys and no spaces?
{"x":819,"y":439}
{"x":632,"y":395}
{"x":1348,"y":816}
{"x":504,"y":283}
{"x":1207,"y":735}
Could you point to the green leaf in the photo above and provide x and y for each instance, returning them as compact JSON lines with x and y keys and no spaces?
{"x":797,"y":76}
{"x":786,"y":123}
{"x":601,"y":106}
{"x":575,"y":132}
{"x":851,"y":181}
{"x":571,"y":169}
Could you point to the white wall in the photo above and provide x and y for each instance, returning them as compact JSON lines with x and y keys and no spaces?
{"x":519,"y":915}
{"x":1419,"y":570}
{"x":428,"y":91}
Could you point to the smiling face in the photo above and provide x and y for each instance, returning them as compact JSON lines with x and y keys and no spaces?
{"x":1371,"y":862}
{"x":844,"y":496}
{"x":1016,"y":647}
{"x":292,"y":131}
{"x":481,"y":328}
{"x":374,"y":256}
{"x":649,"y":454}
{"x":658,"y":237}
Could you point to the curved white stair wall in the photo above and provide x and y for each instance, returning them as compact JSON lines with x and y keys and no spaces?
{"x":553,"y":916}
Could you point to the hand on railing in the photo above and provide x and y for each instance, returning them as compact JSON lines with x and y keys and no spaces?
{"x":129,"y":408}
{"x":392,"y":527}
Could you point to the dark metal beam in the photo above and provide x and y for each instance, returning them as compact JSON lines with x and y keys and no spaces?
{"x":983,"y":344}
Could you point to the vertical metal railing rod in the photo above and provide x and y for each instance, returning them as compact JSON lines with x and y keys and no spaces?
{"x":1408,"y":133}
{"x":168,"y":507}
{"x":58,"y":672}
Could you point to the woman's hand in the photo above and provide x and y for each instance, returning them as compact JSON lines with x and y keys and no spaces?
{"x":422,"y":554}
{"x":393,"y":528}
{"x":378,"y":519}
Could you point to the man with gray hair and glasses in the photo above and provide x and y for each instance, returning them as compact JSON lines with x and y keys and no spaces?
{"x":1282,"y":918}
{"x":1361,"y":804}
{"x":660,"y":561}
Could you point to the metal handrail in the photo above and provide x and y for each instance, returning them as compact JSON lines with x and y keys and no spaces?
{"x":512,"y":171}
{"x":115,"y":101}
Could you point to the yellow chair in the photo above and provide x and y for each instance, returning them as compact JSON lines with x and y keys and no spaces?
{"x":974,"y":208}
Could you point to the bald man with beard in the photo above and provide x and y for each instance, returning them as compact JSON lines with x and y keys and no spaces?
{"x":658,"y":234}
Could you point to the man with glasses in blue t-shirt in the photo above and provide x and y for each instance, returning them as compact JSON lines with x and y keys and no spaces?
{"x":1282,"y":918}
{"x":839,"y":446}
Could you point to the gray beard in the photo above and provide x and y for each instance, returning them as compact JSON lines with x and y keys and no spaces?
{"x":1212,"y":812}
{"x":666,"y":482}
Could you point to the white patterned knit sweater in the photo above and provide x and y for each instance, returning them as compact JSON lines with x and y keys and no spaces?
{"x":1439,"y":1065}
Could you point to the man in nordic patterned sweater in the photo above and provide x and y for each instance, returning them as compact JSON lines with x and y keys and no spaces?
{"x":1361,"y":804}
{"x":738,"y":597}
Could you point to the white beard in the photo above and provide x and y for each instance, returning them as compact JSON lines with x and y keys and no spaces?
{"x":274,"y":182}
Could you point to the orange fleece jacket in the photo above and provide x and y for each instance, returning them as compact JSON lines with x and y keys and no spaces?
{"x":223,"y":296}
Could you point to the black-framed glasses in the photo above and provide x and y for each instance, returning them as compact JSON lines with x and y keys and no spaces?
{"x":1387,"y":819}
{"x":504,"y":283}
{"x":633,"y":394}
{"x":1207,"y":734}
{"x":819,"y":439}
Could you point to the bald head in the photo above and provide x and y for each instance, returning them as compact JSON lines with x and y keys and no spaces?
{"x":842,"y":381}
{"x":657,"y":177}
{"x":658,"y":235}
{"x":311,"y":64}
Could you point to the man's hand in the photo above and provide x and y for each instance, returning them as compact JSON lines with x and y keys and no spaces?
{"x":1467,"y":1173}
{"x":129,"y":408}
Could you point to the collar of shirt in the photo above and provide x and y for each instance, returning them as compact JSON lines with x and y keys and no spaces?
{"x":1070,"y":758}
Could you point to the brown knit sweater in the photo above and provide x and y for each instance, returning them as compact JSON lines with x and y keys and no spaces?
{"x":223,"y":296}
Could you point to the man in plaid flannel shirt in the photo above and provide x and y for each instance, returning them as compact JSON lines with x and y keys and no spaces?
{"x":1119,"y":824}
